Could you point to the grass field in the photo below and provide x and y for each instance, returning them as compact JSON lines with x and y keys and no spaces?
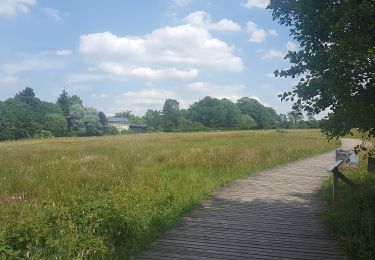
{"x":108,"y":197}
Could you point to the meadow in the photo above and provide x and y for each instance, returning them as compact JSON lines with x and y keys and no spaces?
{"x":109,"y":197}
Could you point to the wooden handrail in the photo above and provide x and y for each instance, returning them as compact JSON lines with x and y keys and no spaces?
{"x":336,"y":176}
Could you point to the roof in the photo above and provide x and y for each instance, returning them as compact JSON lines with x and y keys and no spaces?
{"x":116,"y":119}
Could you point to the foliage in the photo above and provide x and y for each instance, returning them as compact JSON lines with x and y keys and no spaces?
{"x":352,"y":218}
{"x":56,"y":124}
{"x":64,"y":103}
{"x":171,"y":114}
{"x":215,"y":113}
{"x":131,"y":117}
{"x":112,"y":130}
{"x":153,"y":119}
{"x":335,"y":61}
{"x":109,"y":197}
{"x":247,"y":122}
{"x":103,"y":120}
{"x":263,"y":116}
{"x":17,"y":120}
{"x":85,"y":120}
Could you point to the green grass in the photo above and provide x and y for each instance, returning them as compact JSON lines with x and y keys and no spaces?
{"x":108,"y":197}
{"x":352,"y":218}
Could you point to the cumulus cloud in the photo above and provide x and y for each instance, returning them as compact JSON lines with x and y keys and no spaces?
{"x":13,"y":7}
{"x":202,"y":19}
{"x":273,"y":54}
{"x":256,"y":4}
{"x":139,"y":101}
{"x":175,"y":52}
{"x":119,"y":69}
{"x":257,"y":34}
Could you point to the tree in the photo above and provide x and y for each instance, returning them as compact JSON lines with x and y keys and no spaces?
{"x":153,"y":119}
{"x":131,"y":117}
{"x":103,"y":120}
{"x":26,"y":96}
{"x":295,"y":115}
{"x":171,"y":114}
{"x":17,"y":119}
{"x":247,"y":122}
{"x":263,"y":116}
{"x":56,"y":124}
{"x":336,"y":60}
{"x":85,"y":120}
{"x":64,"y":102}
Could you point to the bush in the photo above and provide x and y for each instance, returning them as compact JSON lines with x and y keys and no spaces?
{"x":112,"y":130}
{"x":89,"y":230}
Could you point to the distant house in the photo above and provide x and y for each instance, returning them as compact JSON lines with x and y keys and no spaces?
{"x":121,"y":123}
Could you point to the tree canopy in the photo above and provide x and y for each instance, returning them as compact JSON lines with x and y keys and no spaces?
{"x":335,"y":62}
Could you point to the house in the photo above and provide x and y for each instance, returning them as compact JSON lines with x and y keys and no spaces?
{"x":121,"y":123}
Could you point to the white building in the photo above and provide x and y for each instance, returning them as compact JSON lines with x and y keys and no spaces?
{"x":121,"y":123}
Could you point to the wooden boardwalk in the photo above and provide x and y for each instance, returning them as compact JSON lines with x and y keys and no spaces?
{"x":272,"y":214}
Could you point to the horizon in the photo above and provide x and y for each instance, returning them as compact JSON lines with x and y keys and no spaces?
{"x":117,"y":61}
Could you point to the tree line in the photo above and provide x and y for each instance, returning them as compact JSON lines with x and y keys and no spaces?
{"x":26,"y":116}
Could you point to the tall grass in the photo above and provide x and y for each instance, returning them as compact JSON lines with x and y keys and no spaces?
{"x":108,"y":197}
{"x":352,"y":218}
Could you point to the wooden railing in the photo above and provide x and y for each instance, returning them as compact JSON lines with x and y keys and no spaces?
{"x":336,"y":174}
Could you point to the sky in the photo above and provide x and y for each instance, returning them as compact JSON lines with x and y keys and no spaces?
{"x":132,"y":55}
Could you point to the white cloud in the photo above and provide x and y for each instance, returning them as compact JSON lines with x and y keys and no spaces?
{"x":53,"y":13}
{"x":181,"y":2}
{"x":256,"y":4}
{"x":99,"y":96}
{"x":9,"y":80}
{"x":231,"y":92}
{"x":13,"y":7}
{"x":272,"y":54}
{"x":119,"y":69}
{"x":32,"y":64}
{"x":291,"y":46}
{"x":202,"y":19}
{"x":258,"y":34}
{"x":64,"y":52}
{"x":86,"y":77}
{"x":272,"y":32}
{"x":139,"y":101}
{"x":169,"y":52}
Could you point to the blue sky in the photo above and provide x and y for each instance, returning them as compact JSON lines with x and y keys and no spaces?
{"x":132,"y":55}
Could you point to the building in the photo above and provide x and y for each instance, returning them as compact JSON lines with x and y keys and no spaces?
{"x":121,"y":123}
